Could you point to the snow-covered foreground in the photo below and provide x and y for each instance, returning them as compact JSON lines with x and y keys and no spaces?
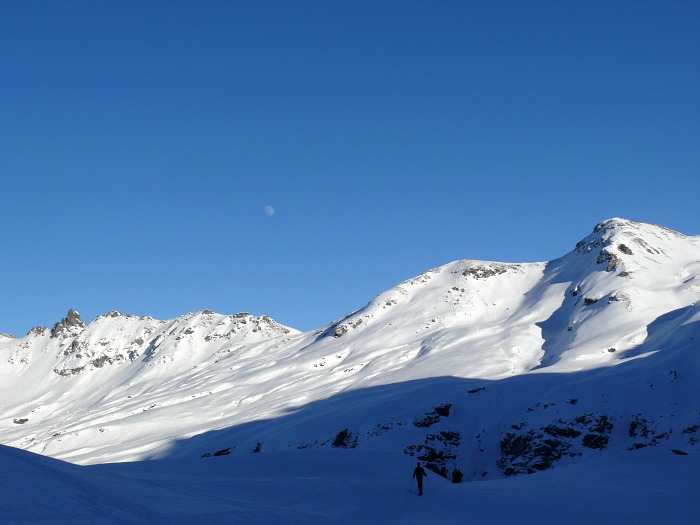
{"x":344,"y":486}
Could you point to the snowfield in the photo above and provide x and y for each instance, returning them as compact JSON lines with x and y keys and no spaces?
{"x":566,"y":391}
{"x":343,"y":486}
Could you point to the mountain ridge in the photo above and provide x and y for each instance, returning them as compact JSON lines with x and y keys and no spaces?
{"x":124,"y":387}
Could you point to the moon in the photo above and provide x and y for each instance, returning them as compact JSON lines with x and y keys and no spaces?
{"x":269,"y":211}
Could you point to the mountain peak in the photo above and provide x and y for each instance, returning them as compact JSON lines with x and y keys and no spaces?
{"x":72,"y":324}
{"x":616,"y":225}
{"x":611,"y":224}
{"x":616,"y":237}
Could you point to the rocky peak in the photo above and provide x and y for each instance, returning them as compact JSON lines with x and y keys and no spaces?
{"x":37,"y":331}
{"x":609,"y":229}
{"x":610,"y":224}
{"x":612,"y":238}
{"x":71,"y":324}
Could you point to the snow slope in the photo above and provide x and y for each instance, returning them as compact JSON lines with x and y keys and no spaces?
{"x":342,"y":486}
{"x":498,"y":368}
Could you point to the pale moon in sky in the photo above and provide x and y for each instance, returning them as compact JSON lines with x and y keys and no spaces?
{"x":269,"y":211}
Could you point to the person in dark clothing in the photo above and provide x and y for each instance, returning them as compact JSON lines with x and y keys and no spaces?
{"x":419,"y":474}
{"x":457,"y":476}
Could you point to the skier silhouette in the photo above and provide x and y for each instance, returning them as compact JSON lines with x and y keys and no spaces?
{"x":419,"y":473}
{"x":457,"y":476}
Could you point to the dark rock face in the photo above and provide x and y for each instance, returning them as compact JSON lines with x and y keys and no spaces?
{"x":222,"y":452}
{"x":692,"y":434}
{"x":345,"y":439}
{"x":38,"y":331}
{"x":341,"y":329}
{"x":624,"y":249}
{"x":434,"y":416}
{"x":595,"y":441}
{"x":68,"y":324}
{"x":73,"y":319}
{"x":538,"y":449}
{"x":558,"y":431}
{"x":443,"y":410}
{"x":646,"y":432}
{"x":438,"y":451}
{"x":532,"y":451}
{"x":610,"y":258}
{"x":486,"y":271}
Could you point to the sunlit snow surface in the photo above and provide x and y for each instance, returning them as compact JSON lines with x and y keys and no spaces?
{"x":611,"y":328}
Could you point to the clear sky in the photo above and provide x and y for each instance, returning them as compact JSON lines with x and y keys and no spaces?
{"x":144,"y":146}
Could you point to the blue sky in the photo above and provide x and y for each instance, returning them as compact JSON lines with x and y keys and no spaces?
{"x":140,"y":143}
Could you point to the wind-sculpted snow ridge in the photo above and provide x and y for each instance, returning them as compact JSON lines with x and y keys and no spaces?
{"x":498,"y":368}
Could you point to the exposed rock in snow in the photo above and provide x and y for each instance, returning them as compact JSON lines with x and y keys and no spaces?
{"x":69,"y":325}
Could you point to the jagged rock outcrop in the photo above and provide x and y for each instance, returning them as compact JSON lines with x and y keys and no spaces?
{"x":72,"y":324}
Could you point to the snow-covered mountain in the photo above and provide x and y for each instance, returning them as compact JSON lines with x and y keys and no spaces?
{"x":497,"y":368}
